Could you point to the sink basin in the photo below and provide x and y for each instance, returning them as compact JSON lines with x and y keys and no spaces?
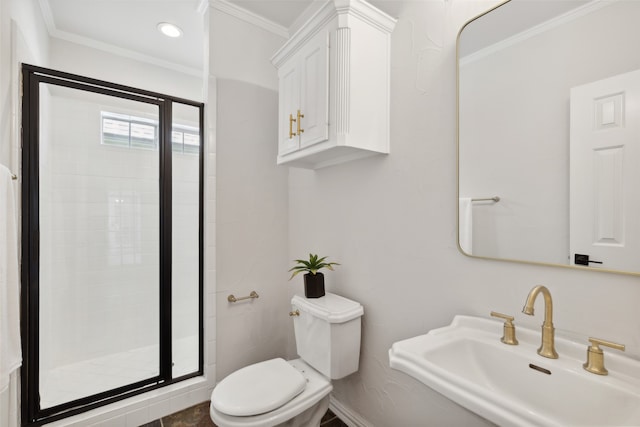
{"x":514,"y":386}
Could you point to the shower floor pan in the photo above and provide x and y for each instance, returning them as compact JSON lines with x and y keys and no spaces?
{"x":77,"y":380}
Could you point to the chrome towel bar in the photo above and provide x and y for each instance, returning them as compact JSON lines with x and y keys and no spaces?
{"x":487,"y":199}
{"x":252,"y":295}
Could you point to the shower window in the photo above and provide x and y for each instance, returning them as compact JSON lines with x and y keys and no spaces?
{"x":185,"y":139}
{"x":112,"y":243}
{"x":130,"y":132}
{"x":127,"y":131}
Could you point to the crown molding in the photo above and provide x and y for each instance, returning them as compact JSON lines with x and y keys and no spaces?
{"x":248,"y":16}
{"x":54,"y":32}
{"x":366,"y":12}
{"x":536,"y":30}
{"x":202,"y":7}
{"x":341,"y":9}
{"x":131,"y":54}
{"x":47,"y":15}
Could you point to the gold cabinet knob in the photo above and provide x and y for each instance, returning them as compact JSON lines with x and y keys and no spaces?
{"x":595,"y":355}
{"x":294,"y":313}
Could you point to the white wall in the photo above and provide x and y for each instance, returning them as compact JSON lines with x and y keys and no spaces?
{"x":516,"y":117}
{"x":242,"y":51}
{"x":89,"y":62}
{"x":391,"y":222}
{"x":251,"y":195}
{"x":251,"y":230}
{"x":22,"y":39}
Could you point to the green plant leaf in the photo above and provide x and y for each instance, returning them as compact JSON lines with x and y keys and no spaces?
{"x":312,"y":266}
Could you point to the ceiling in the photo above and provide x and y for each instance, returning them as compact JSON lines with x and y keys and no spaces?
{"x":129,"y":27}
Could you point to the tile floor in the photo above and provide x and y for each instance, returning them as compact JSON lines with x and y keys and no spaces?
{"x":198,"y":416}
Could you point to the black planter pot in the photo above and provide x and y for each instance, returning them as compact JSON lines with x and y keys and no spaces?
{"x":314,"y":285}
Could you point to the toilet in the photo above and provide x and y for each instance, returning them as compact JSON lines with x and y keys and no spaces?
{"x":295,"y":393}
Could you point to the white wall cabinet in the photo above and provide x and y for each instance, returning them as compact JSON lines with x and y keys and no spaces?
{"x":304,"y":96}
{"x":334,"y":86}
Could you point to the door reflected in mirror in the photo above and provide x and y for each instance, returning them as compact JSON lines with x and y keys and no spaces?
{"x":549,"y":122}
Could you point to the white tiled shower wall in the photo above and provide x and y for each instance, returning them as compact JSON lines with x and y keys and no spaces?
{"x":100,"y":243}
{"x":104,"y":242}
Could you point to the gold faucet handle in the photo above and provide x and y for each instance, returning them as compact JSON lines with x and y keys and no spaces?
{"x":506,"y":317}
{"x":595,"y":355}
{"x":596,"y":342}
{"x":509,"y":329}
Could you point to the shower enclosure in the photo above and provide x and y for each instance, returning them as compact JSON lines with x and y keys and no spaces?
{"x":112,"y":242}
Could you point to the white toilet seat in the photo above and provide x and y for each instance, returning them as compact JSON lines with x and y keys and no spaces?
{"x":258,"y":388}
{"x":317,"y":388}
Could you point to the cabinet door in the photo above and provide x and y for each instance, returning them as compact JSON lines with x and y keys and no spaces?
{"x":289,"y":104}
{"x":314,"y":90}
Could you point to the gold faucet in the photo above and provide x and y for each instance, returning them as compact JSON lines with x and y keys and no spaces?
{"x":547,"y":348}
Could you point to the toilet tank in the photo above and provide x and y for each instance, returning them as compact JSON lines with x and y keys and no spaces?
{"x":328,"y":333}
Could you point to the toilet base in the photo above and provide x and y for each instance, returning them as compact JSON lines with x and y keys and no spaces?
{"x":309,"y":418}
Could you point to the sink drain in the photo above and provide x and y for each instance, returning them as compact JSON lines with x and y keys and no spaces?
{"x":539,"y":369}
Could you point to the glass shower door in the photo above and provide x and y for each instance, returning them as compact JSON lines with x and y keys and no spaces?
{"x":99,"y":208}
{"x":186,"y":141}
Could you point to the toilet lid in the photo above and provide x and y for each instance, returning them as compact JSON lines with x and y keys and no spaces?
{"x":258,"y":388}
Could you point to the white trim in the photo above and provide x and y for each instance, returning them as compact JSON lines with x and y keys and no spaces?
{"x":536,"y":30}
{"x":203,"y":6}
{"x":109,"y":48}
{"x":310,"y":28}
{"x":250,"y":17}
{"x":166,"y":400}
{"x":368,"y":13}
{"x":347,"y":415}
{"x":47,"y":15}
{"x":331,"y":9}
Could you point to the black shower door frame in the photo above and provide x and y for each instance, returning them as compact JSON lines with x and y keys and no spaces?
{"x":32,"y":77}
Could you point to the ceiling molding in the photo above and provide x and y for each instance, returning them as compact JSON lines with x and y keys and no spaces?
{"x":109,"y":48}
{"x":131,"y":54}
{"x":250,"y":17}
{"x":534,"y":31}
{"x":47,"y":15}
{"x":329,"y":10}
{"x":203,"y":5}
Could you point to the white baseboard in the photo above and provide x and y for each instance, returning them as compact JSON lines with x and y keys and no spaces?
{"x":347,"y":415}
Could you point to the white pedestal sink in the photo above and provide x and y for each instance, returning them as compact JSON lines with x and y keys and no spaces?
{"x":514,"y":386}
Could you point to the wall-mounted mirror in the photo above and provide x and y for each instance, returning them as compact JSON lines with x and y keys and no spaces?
{"x":549,"y":133}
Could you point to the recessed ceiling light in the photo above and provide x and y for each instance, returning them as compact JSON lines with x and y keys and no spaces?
{"x":169,"y":30}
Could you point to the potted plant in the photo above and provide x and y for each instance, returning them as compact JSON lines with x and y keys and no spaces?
{"x":313,"y":279}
